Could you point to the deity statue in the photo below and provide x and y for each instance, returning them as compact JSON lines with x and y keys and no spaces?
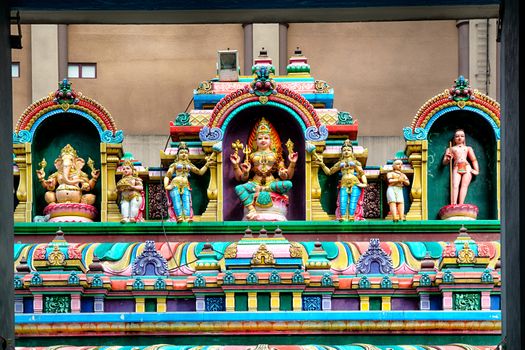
{"x":394,"y":193}
{"x":265,"y":176}
{"x":461,"y":170}
{"x":131,"y":193}
{"x":67,"y":188}
{"x":69,"y":183}
{"x":177,"y":184}
{"x":353,"y":180}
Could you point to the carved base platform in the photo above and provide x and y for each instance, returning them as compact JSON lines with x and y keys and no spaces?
{"x":277,"y":212}
{"x":70,"y":212}
{"x":459,"y":212}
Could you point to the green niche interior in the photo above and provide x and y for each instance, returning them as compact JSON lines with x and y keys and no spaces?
{"x":483,"y":188}
{"x":49,"y":139}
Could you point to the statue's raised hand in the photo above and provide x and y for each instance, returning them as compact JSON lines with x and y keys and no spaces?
{"x":293,"y":157}
{"x":234,"y":158}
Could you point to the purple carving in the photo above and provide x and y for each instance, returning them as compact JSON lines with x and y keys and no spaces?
{"x":404,"y":304}
{"x":119,"y":305}
{"x":375,"y":260}
{"x":150,"y":262}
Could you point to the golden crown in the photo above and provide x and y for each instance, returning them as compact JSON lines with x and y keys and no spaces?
{"x":68,"y":149}
{"x":263,"y":127}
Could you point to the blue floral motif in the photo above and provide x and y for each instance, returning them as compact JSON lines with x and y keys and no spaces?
{"x":298,"y":277}
{"x":229,"y":278}
{"x":138,"y":284}
{"x":425,"y":280}
{"x":215,"y":304}
{"x":213,"y":134}
{"x":312,"y":303}
{"x":313,"y":133}
{"x":418,"y":134}
{"x":18,"y":282}
{"x":275,"y":278}
{"x":326,"y":280}
{"x":23,"y":136}
{"x":486,"y":277}
{"x":448,"y":277}
{"x":199,"y":282}
{"x":36,"y":279}
{"x":97,"y":282}
{"x":252,"y":278}
{"x":386,"y":283}
{"x":109,"y":137}
{"x":73,"y":279}
{"x":160,"y":284}
{"x":364,"y":283}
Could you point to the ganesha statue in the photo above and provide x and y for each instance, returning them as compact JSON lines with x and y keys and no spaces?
{"x":67,"y":189}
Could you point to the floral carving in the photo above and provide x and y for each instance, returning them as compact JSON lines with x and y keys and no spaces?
{"x":150,"y":258}
{"x":231,"y":251}
{"x":466,"y":255}
{"x":372,"y":202}
{"x":296,"y":250}
{"x":56,"y":257}
{"x":157,"y":202}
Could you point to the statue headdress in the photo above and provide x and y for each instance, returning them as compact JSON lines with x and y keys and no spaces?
{"x":347,"y":144}
{"x":263,"y":126}
{"x":68,"y":149}
{"x":182,"y":145}
{"x":129,"y":163}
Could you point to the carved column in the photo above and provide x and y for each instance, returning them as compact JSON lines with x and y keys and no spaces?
{"x":274,"y":301}
{"x":424,"y":301}
{"x":213,"y":211}
{"x":297,"y":301}
{"x":38,"y":303}
{"x":230,"y":301}
{"x":200,"y":303}
{"x":314,"y":209}
{"x":99,"y":303}
{"x":110,"y":154}
{"x":364,"y":303}
{"x":326,"y":303}
{"x":417,"y":156}
{"x":24,"y":192}
{"x":252,"y":301}
{"x":447,"y":301}
{"x":161,"y":304}
{"x":140,"y":304}
{"x":75,"y":303}
{"x":386,"y":303}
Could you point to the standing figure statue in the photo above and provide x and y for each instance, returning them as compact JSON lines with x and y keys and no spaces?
{"x":177,"y":184}
{"x":353,"y":180}
{"x":394,"y":193}
{"x":265,"y":176}
{"x":131,"y":193}
{"x":461,"y":170}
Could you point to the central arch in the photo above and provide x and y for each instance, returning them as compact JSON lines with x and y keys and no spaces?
{"x":288,"y":127}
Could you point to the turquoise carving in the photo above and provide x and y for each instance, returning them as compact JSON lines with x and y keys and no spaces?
{"x":57,"y":304}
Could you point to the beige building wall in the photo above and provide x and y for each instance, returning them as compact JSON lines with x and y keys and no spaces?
{"x":381,"y":72}
{"x":22,"y":85}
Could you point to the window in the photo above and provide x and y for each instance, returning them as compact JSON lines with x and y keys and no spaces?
{"x":15,"y":70}
{"x":82,"y":70}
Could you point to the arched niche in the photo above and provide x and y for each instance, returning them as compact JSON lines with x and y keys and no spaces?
{"x":48,"y":140}
{"x":287,"y":127}
{"x":481,"y":137}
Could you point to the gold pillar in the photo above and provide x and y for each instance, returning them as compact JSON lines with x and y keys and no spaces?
{"x":386,"y":303}
{"x":161,"y":304}
{"x":24,"y":192}
{"x":297,"y":301}
{"x":417,"y":156}
{"x":275,"y":301}
{"x":140,"y":305}
{"x":364,"y":302}
{"x":314,"y":209}
{"x":230,"y":301}
{"x":252,"y":301}
{"x":213,"y":211}
{"x":110,"y":155}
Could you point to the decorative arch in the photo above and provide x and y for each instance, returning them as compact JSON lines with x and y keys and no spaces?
{"x":295,"y":104}
{"x":66,"y":100}
{"x":459,"y":97}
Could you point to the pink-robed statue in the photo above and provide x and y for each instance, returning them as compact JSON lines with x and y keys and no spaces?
{"x":464,"y":166}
